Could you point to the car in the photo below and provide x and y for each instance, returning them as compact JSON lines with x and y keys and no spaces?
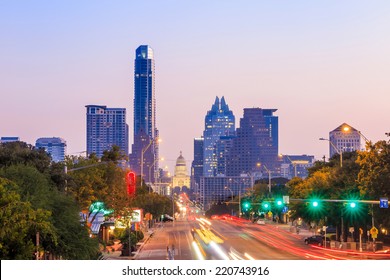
{"x":315,"y":239}
{"x":167,"y":218}
{"x":260,"y":222}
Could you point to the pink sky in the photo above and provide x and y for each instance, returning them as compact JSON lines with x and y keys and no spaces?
{"x":319,"y":64}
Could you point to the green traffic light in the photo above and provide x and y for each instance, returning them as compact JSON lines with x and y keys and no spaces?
{"x":279,"y":202}
{"x":315,"y":203}
{"x":352,"y":204}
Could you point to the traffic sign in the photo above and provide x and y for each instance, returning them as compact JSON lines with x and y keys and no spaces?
{"x":383,"y":202}
{"x":374,"y":232}
{"x":285,"y":209}
{"x":286,"y":199}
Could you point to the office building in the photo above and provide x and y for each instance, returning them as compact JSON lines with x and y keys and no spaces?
{"x":295,"y":166}
{"x":345,"y":138}
{"x":197,"y":163}
{"x":145,"y":146}
{"x":54,"y":146}
{"x":7,"y":139}
{"x":106,"y":127}
{"x":214,"y":190}
{"x":255,"y":144}
{"x":219,"y":121}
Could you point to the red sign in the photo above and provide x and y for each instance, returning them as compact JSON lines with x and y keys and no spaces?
{"x":130,"y":180}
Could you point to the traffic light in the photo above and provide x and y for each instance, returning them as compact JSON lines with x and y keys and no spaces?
{"x":279,"y":202}
{"x":266,"y":205}
{"x":352,"y":205}
{"x":314,"y":204}
{"x":246,"y":205}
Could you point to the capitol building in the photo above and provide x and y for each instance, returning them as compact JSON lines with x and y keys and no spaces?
{"x":181,"y":178}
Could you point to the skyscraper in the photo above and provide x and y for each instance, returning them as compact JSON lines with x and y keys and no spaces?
{"x":106,"y":127}
{"x":197,"y":163}
{"x":219,"y":121}
{"x":145,"y":145}
{"x":256,"y":142}
{"x":54,"y":146}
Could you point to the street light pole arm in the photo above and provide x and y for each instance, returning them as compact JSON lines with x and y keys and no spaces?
{"x":340,"y":152}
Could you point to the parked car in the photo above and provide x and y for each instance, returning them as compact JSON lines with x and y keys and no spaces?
{"x":315,"y":239}
{"x":261,"y":222}
{"x":167,"y":218}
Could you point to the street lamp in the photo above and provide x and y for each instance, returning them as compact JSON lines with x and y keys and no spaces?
{"x":150,"y":171}
{"x":339,"y":151}
{"x":347,"y":129}
{"x":227,"y":188}
{"x":239,"y":196}
{"x":269,"y":176}
{"x":143,"y":152}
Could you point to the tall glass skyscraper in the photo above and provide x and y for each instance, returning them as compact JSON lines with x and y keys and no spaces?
{"x":145,"y":132}
{"x":106,"y":127}
{"x":219,"y":121}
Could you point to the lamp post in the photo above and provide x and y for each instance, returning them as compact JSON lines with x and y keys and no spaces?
{"x":239,"y":196}
{"x":340,"y":152}
{"x":150,"y":171}
{"x":269,"y":176}
{"x":142,"y":155}
{"x":294,"y":165}
{"x":227,"y":188}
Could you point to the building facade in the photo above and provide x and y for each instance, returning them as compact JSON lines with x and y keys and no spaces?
{"x":7,"y":139}
{"x":54,"y":146}
{"x":295,"y":166}
{"x":345,"y":138}
{"x":219,"y":121}
{"x":213,"y":190}
{"x":106,"y":127}
{"x":197,"y":163}
{"x":255,"y":144}
{"x":181,"y":178}
{"x":145,"y":148}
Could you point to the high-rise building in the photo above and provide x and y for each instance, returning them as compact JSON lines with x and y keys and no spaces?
{"x":255,"y":144}
{"x":197,"y":163}
{"x":145,"y":146}
{"x":345,"y":138}
{"x":54,"y":146}
{"x":106,"y":127}
{"x":219,"y":121}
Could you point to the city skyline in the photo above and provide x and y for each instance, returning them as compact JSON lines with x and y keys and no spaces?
{"x":319,"y":64}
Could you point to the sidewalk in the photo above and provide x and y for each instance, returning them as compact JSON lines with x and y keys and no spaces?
{"x":114,"y":252}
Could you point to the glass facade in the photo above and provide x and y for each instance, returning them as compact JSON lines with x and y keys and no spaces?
{"x":54,"y":146}
{"x":256,"y":142}
{"x":145,"y":131}
{"x":219,"y":121}
{"x":106,"y":127}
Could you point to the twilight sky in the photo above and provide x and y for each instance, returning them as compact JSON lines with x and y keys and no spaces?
{"x":319,"y":63}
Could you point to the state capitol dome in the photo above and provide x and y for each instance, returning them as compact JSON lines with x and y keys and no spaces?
{"x":181,"y":178}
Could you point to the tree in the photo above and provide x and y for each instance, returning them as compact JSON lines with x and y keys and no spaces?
{"x":374,"y":176}
{"x":20,"y":224}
